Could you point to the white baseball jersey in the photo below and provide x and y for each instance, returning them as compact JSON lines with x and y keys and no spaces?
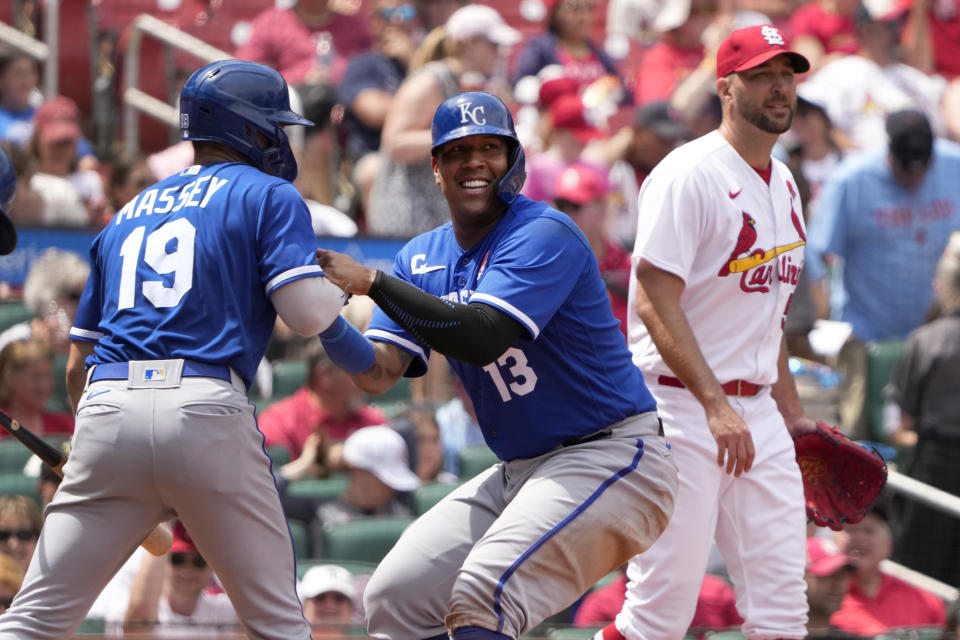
{"x":709,"y":218}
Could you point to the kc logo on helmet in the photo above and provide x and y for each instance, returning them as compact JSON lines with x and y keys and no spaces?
{"x":772,"y":35}
{"x":476,"y":114}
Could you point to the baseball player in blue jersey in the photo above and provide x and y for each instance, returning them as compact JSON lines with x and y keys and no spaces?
{"x":185,"y":286}
{"x":511,"y":293}
{"x":8,"y":189}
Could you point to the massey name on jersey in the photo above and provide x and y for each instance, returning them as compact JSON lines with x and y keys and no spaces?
{"x":170,"y":200}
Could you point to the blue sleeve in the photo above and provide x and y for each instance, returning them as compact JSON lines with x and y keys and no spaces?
{"x":285,"y":238}
{"x":533,"y":272}
{"x":828,"y":226}
{"x":362,"y":73}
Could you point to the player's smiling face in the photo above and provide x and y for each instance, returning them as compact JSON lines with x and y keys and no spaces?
{"x":467,"y":170}
{"x":766,"y":95}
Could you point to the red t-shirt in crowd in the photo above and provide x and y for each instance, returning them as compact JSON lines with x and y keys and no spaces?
{"x":278,"y":39}
{"x":897,"y":604}
{"x":945,"y":32}
{"x":662,"y":68}
{"x":291,"y":420}
{"x":59,"y":423}
{"x":615,"y":269}
{"x":834,"y":31}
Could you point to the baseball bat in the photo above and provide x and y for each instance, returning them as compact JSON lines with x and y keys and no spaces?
{"x":736,"y":266}
{"x":157,"y":542}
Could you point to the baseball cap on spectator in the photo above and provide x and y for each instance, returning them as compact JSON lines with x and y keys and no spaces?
{"x":752,"y":46}
{"x":381,"y":451}
{"x":660,"y":118}
{"x":182,"y":542}
{"x":911,"y":139}
{"x":325,"y":578}
{"x":824,"y":558}
{"x":554,"y":88}
{"x":57,"y":119}
{"x":580,"y":184}
{"x":568,"y":112}
{"x":475,"y":20}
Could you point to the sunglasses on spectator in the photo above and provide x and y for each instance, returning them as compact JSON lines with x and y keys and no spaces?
{"x":180,"y":559}
{"x":24,"y":535}
{"x":569,"y":207}
{"x":403,"y":13}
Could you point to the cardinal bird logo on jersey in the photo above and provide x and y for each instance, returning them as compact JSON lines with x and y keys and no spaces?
{"x":748,"y":235}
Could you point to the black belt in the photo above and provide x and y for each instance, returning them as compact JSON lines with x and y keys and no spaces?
{"x":191,"y":369}
{"x":590,"y":437}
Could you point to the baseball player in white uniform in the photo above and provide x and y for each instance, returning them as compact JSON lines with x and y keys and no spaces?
{"x":718,"y":251}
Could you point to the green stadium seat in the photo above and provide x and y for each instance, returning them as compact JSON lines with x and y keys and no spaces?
{"x":367,"y":539}
{"x":728,"y":634}
{"x":59,"y":400}
{"x":279,"y":454}
{"x":474,"y":459}
{"x":572,"y":633}
{"x":19,"y":484}
{"x":323,"y":488}
{"x":882,"y":357}
{"x":13,"y":455}
{"x":92,"y":626}
{"x":288,"y":376}
{"x":301,"y":538}
{"x":428,"y":495}
{"x":12,"y":313}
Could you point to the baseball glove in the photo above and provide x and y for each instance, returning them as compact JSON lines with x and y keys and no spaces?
{"x":841,"y":478}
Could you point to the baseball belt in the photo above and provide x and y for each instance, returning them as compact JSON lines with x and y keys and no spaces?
{"x":739,"y":388}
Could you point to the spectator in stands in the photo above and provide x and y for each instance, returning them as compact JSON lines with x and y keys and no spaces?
{"x":435,"y":13}
{"x":404,"y":200}
{"x":129,"y":175}
{"x":456,"y":420}
{"x":328,"y":404}
{"x":929,"y":37}
{"x":330,"y":599}
{"x":828,"y":582}
{"x":11,"y":577}
{"x":716,"y":605}
{"x":51,"y":291}
{"x":887,"y":213}
{"x":19,"y":96}
{"x":28,"y":206}
{"x":26,"y":383}
{"x":171,"y":591}
{"x":581,"y":192}
{"x":369,"y":84}
{"x":533,"y":125}
{"x":20,"y":522}
{"x":567,"y":42}
{"x":858,"y":91}
{"x":632,"y":153}
{"x":308,"y":43}
{"x":48,"y":480}
{"x":823,"y":31}
{"x":924,"y":388}
{"x":377,"y":462}
{"x":878,"y":601}
{"x":678,"y":51}
{"x":811,"y":145}
{"x":54,"y":148}
{"x":569,"y":134}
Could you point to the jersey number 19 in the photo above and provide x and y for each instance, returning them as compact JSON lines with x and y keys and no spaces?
{"x":156,"y":255}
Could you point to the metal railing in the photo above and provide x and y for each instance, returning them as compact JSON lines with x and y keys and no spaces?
{"x":44,"y":52}
{"x":135,"y":100}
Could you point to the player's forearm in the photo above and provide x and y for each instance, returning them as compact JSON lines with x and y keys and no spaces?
{"x":658,"y":304}
{"x":784,"y":391}
{"x":76,"y":371}
{"x":389,"y":364}
{"x":145,"y":591}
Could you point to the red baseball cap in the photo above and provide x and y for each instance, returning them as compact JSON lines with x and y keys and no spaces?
{"x":554,"y":88}
{"x":567,"y":112}
{"x":752,"y":46}
{"x":182,"y":542}
{"x":580,"y":184}
{"x":57,"y":119}
{"x":824,"y":558}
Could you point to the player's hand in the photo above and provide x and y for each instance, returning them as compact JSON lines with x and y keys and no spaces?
{"x":345,"y":272}
{"x":734,"y":442}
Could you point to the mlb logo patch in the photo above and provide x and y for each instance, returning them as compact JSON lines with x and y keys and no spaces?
{"x":155,"y":374}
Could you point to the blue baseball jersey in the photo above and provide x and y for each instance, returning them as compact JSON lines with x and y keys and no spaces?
{"x":186,"y":268}
{"x":572,"y":375}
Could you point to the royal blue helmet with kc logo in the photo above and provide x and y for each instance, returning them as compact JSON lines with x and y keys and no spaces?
{"x":231,"y":102}
{"x":477,"y":113}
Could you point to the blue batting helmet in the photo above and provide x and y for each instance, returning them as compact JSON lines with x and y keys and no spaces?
{"x":231,"y":101}
{"x":8,"y":189}
{"x":477,"y":113}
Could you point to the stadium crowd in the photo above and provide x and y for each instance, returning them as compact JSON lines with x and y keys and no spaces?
{"x":601,"y":92}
